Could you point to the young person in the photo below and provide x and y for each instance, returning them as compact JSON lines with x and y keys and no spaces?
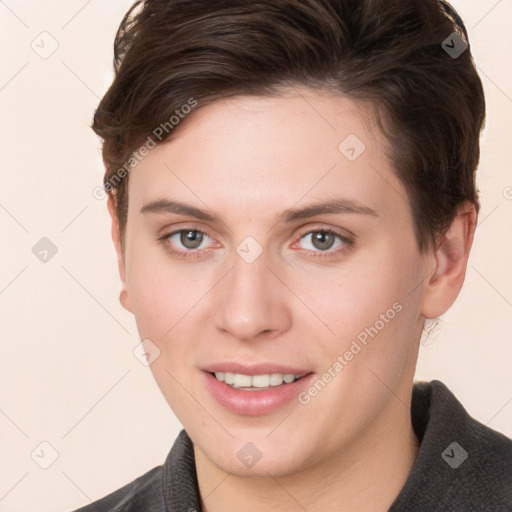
{"x":292,"y":193}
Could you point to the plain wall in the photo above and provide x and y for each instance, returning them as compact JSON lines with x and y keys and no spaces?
{"x":68,"y":374}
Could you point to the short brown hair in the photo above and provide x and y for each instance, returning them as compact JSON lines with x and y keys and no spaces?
{"x":389,"y":52}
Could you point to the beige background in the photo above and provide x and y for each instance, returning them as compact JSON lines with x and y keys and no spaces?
{"x":68,"y":374}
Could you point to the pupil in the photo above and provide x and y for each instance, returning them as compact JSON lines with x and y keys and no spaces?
{"x":320,"y":240}
{"x":191,"y":239}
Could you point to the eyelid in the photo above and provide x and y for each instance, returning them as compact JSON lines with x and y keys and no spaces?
{"x":168,"y":230}
{"x":348,"y":241}
{"x":349,"y":236}
{"x":180,"y":253}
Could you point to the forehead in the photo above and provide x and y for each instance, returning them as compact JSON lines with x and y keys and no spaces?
{"x":252,"y":154}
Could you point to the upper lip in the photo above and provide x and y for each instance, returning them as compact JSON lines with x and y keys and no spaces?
{"x":253,"y":369}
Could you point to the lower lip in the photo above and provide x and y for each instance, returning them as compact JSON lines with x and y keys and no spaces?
{"x":255,"y":403}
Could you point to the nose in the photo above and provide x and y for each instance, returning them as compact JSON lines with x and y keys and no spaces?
{"x":252,"y":302}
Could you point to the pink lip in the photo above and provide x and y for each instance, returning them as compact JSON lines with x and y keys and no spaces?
{"x":259,"y":402}
{"x":253,"y":369}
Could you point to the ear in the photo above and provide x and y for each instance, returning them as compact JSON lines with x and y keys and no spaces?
{"x":116,"y":238}
{"x":450,"y":260}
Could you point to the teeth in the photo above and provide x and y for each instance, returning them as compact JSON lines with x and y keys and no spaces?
{"x":239,"y":380}
{"x":242,"y":381}
{"x":260,"y":381}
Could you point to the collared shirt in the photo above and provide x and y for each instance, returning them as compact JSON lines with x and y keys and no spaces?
{"x":462,"y":466}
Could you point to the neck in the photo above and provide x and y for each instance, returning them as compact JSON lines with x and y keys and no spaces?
{"x":365,"y":476}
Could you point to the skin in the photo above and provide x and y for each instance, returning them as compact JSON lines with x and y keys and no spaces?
{"x":247,"y":159}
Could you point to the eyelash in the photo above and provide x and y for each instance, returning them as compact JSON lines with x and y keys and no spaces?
{"x":347,"y":243}
{"x":196,"y":253}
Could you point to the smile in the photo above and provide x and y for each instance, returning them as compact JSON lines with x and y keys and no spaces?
{"x":256,"y":382}
{"x":255,"y":395}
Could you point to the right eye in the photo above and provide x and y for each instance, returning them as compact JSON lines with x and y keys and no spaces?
{"x":189,"y":239}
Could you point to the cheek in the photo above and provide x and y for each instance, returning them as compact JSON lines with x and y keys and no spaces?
{"x":368,"y":302}
{"x":152,"y":300}
{"x":163,"y":293}
{"x":375,"y":318}
{"x":165,"y":303}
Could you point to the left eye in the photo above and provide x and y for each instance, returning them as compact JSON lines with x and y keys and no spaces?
{"x":323,"y":240}
{"x":189,"y":238}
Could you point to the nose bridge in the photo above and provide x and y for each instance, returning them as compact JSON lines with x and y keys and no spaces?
{"x":251,"y":299}
{"x":249,"y":277}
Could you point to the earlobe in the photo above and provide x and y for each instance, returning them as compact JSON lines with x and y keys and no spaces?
{"x":450,"y":259}
{"x":124,"y":298}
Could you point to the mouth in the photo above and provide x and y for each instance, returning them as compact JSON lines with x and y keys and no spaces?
{"x":256,"y":382}
{"x":256,"y":394}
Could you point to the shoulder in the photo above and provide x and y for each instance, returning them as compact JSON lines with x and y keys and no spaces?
{"x":441,"y":414}
{"x":462,"y":464}
{"x":144,"y":493}
{"x":166,"y":488}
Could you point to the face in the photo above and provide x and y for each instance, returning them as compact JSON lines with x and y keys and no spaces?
{"x":266,"y":282}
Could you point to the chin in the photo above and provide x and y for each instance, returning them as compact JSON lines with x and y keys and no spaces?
{"x":258,"y":458}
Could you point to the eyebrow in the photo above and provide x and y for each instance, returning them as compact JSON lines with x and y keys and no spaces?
{"x":333,"y":206}
{"x":172,"y":206}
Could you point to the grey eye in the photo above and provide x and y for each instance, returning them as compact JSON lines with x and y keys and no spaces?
{"x":191,"y":239}
{"x":187,"y":238}
{"x":322,"y":240}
